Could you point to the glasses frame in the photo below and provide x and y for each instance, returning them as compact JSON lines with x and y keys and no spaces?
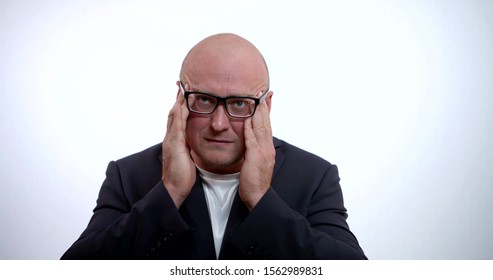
{"x":223,"y":100}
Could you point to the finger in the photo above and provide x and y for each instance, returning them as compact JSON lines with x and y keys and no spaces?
{"x":184,"y":110}
{"x":261,"y":124}
{"x":268,"y":122}
{"x":176,"y":122}
{"x":266,"y":119}
{"x":249,"y":134}
{"x":172,"y":112}
{"x":170,"y":118}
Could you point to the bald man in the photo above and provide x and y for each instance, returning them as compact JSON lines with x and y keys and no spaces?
{"x":220,"y":186}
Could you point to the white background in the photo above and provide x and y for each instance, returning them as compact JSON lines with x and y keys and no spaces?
{"x":398,"y":94}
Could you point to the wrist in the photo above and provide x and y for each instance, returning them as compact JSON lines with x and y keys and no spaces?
{"x":177,"y":196}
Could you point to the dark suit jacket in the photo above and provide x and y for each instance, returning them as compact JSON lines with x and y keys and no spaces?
{"x":302,"y":216}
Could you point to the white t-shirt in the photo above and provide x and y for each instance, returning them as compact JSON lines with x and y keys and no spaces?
{"x":219,"y":192}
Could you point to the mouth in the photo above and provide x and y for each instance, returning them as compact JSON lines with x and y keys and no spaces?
{"x":219,"y":141}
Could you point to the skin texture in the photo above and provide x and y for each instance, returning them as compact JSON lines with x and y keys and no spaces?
{"x":224,"y":65}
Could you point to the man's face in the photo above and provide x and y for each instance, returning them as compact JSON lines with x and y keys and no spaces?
{"x":216,"y":140}
{"x":222,"y":66}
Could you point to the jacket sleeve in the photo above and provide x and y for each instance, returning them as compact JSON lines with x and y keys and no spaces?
{"x":123,"y":229}
{"x":273,"y":230}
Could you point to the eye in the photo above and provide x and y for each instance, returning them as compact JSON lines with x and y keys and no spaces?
{"x":201,"y":103}
{"x":239,"y":103}
{"x":204,"y":99}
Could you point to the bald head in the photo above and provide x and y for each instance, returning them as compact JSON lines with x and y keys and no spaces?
{"x":227,"y":59}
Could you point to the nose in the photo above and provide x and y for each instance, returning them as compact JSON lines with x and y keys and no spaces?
{"x":220,"y":119}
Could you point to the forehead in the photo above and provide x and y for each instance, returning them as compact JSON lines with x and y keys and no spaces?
{"x":225,"y":89}
{"x":225,"y":81}
{"x":225,"y":69}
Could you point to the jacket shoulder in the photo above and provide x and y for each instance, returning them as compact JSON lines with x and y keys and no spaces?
{"x":292,"y":152}
{"x":142,"y":168}
{"x":152,"y":154}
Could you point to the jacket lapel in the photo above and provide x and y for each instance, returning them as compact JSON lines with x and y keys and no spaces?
{"x":239,"y":211}
{"x":196,"y":214}
{"x":279,"y":159}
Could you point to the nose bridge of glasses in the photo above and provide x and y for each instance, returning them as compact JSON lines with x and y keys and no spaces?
{"x":215,"y":102}
{"x":222,"y":102}
{"x":220,"y":113}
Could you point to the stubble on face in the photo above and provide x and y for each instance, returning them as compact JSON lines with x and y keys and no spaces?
{"x":218,"y":160}
{"x":217,"y":157}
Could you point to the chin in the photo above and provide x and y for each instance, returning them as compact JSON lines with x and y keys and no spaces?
{"x":224,"y":164}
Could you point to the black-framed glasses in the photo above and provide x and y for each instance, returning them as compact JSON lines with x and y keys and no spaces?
{"x":236,"y":106}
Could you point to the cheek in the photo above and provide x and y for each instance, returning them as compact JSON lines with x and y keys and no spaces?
{"x":194,"y":126}
{"x":238,"y":129}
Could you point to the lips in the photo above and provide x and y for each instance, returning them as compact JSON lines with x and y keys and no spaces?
{"x":218,"y":141}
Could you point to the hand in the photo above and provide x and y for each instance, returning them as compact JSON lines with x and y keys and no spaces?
{"x":260,"y":156}
{"x":178,"y":168}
